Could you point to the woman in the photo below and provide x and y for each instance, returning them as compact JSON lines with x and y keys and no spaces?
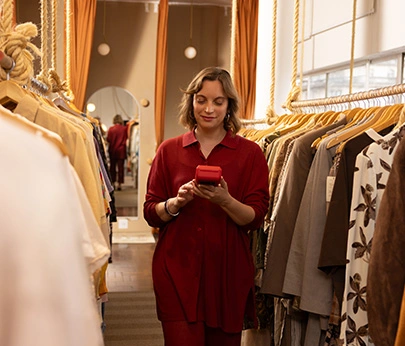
{"x":117,"y":149}
{"x":202,"y":266}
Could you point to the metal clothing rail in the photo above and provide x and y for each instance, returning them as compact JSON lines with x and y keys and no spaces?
{"x":359,"y":96}
{"x":254,"y":121}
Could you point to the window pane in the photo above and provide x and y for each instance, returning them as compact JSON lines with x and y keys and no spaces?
{"x":339,"y":81}
{"x":403,"y":70}
{"x":304,"y":88}
{"x":383,"y":74}
{"x":317,"y":86}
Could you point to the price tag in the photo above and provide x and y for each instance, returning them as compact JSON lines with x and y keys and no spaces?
{"x":330,"y":183}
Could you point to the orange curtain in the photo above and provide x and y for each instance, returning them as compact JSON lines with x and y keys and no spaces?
{"x":82,"y":19}
{"x":245,"y":54}
{"x":161,"y":71}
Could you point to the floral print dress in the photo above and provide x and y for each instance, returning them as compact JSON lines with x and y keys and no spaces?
{"x":373,"y":166}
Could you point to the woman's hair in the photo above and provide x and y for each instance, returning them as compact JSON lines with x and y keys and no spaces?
{"x":186,"y":113}
{"x":118,"y":119}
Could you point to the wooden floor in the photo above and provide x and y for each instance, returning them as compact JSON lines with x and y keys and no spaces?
{"x":130,"y":313}
{"x":131,"y":268}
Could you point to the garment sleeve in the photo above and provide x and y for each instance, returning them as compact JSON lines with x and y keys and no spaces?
{"x":156,"y":190}
{"x":258,"y":194}
{"x":386,"y":274}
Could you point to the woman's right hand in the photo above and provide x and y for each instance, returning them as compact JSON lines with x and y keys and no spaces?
{"x":184,"y":195}
{"x":173,"y":205}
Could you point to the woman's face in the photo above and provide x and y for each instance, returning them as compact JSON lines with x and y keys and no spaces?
{"x":210,"y":105}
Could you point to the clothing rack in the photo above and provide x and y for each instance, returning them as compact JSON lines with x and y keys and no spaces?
{"x":254,"y":121}
{"x":393,"y":90}
{"x":349,"y":98}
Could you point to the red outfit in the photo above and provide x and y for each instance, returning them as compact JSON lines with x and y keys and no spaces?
{"x":117,"y":150}
{"x":202,"y":266}
{"x":117,"y":141}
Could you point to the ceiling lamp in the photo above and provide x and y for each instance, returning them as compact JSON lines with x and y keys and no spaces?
{"x":103,"y":48}
{"x":190,"y":52}
{"x":91,"y":107}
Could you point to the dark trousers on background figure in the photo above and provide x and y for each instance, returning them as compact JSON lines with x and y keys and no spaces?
{"x":117,"y":165}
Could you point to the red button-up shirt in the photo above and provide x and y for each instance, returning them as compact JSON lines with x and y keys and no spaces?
{"x":117,"y":141}
{"x":202,"y":258}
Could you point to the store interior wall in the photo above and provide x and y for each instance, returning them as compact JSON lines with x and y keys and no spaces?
{"x":211,"y":36}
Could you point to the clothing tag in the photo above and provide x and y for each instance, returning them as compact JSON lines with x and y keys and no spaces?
{"x":330,"y":183}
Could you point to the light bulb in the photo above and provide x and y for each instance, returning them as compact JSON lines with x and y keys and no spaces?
{"x":190,"y":52}
{"x":103,"y":49}
{"x":91,"y":107}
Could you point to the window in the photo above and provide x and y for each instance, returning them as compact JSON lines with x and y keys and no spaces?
{"x":317,"y":86}
{"x":339,"y":81}
{"x":383,"y":73}
{"x":369,"y":75}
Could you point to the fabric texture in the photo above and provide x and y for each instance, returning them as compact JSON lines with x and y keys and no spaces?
{"x":117,"y":141}
{"x":79,"y":149}
{"x":332,"y":259}
{"x":289,"y":200}
{"x":372,"y":170}
{"x":386,"y":271}
{"x":48,"y":253}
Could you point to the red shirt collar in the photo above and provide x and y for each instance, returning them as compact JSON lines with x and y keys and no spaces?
{"x":229,"y":140}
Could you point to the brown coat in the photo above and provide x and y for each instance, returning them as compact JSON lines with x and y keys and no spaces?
{"x":386,"y":274}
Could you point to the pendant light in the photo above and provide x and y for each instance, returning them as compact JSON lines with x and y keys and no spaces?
{"x":103,"y":48}
{"x":190,"y":52}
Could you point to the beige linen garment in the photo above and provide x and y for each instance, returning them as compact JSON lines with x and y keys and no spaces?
{"x":46,"y":257}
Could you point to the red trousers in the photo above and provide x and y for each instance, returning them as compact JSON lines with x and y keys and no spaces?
{"x":182,"y":333}
{"x":117,"y":164}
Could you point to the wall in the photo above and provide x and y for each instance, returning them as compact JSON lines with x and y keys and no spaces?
{"x":211,"y":38}
{"x":328,"y":33}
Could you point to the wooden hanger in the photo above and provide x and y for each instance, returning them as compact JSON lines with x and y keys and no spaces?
{"x":325,"y":119}
{"x":353,"y":128}
{"x":66,"y":106}
{"x":401,"y":120}
{"x":390,"y":117}
{"x":381,"y":120}
{"x":256,"y":135}
{"x":11,"y":94}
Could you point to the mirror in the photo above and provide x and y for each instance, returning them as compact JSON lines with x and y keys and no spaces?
{"x":104,"y":104}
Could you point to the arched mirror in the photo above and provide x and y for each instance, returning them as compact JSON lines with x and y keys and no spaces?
{"x":104,"y":104}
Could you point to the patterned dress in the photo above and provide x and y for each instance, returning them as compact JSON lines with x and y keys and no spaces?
{"x":373,"y":166}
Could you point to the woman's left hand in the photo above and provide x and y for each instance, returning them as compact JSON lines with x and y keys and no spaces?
{"x":216,"y":194}
{"x":240,"y":213}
